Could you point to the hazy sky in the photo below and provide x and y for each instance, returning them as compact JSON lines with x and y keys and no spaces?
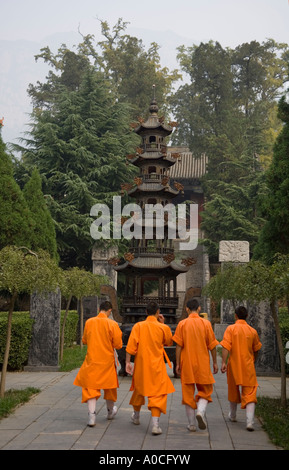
{"x":169,"y":23}
{"x":231,"y":22}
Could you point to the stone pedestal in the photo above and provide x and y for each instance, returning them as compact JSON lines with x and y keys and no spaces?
{"x":45,"y":310}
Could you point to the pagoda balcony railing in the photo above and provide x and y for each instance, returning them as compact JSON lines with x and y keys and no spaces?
{"x":144,"y":300}
{"x":151,"y":250}
{"x":151,"y":177}
{"x":153,"y":147}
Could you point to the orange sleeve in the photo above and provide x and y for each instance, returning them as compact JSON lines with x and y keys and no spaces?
{"x":178,"y":336}
{"x":212,"y":342}
{"x":132,"y":344}
{"x":168,"y":337}
{"x":227,"y":340}
{"x":117,"y":337}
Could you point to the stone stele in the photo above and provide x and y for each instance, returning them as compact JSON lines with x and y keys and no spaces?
{"x":234,"y":251}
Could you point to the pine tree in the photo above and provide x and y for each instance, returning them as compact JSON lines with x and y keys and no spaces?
{"x":79,"y":142}
{"x":274,"y":237}
{"x":15,"y":216}
{"x":43,"y":234}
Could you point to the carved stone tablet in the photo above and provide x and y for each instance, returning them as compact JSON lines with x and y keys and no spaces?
{"x":234,"y":251}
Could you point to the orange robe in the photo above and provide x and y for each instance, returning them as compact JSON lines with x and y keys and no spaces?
{"x":196,"y":338}
{"x":98,"y":371}
{"x":241,"y":340}
{"x":146,"y":342}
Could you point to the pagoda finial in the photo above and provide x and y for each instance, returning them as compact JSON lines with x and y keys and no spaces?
{"x":154,"y":107}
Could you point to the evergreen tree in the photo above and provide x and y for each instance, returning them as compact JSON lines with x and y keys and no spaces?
{"x":230,"y":111}
{"x":43,"y":234}
{"x":79,"y":141}
{"x":274,"y":237}
{"x":15,"y":216}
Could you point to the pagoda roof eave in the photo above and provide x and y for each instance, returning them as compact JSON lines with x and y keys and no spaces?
{"x":168,"y":191}
{"x":132,"y":266}
{"x":152,"y":156}
{"x":153,"y":123}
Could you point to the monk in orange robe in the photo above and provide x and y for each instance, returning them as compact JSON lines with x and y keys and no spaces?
{"x":241,"y":343}
{"x":194,"y":338}
{"x":98,"y":371}
{"x":150,"y":378}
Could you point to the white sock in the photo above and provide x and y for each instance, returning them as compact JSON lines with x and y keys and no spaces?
{"x":91,"y":405}
{"x":136,"y":414}
{"x":190,"y":415}
{"x":155,"y":420}
{"x":202,"y":405}
{"x":250,"y":412}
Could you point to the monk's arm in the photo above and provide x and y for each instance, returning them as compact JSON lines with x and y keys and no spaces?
{"x":214,"y":357}
{"x":225,"y":354}
{"x":178,"y":359}
{"x":128,"y":364}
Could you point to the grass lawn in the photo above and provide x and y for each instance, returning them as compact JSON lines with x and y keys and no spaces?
{"x":275,"y":420}
{"x":14,"y":398}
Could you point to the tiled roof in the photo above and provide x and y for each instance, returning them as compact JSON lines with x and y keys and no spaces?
{"x":189,"y":167}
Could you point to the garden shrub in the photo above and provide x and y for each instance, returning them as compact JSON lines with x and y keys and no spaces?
{"x":21,"y":336}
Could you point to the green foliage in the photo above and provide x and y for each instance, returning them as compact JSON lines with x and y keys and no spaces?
{"x":71,"y":323}
{"x":228,"y":111}
{"x":80,"y":129}
{"x":80,"y":283}
{"x":131,"y":69}
{"x":253,"y":281}
{"x":20,"y":339}
{"x":24,"y":271}
{"x":21,"y":336}
{"x":275,"y":204}
{"x":15,"y":216}
{"x":43,"y":230}
{"x":14,"y":398}
{"x":79,"y":147}
{"x":275,"y":420}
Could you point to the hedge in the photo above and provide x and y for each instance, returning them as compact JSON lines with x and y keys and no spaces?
{"x":21,"y":336}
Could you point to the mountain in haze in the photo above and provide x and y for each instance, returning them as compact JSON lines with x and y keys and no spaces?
{"x":19,"y":68}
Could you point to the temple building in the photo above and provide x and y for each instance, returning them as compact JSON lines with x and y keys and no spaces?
{"x":155,"y":269}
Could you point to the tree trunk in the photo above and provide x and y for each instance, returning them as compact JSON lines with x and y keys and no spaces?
{"x":7,"y":347}
{"x":63,"y":328}
{"x":281,"y":353}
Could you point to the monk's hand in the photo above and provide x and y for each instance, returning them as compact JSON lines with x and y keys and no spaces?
{"x":129,"y":368}
{"x":178,"y":369}
{"x":215,"y":368}
{"x":224,"y":367}
{"x":161,"y":318}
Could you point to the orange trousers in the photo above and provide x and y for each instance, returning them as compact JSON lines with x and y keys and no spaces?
{"x":248,"y":393}
{"x":188,"y":394}
{"x":109,"y":394}
{"x":156,"y":405}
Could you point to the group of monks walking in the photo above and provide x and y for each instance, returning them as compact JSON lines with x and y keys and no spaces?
{"x":195,"y":341}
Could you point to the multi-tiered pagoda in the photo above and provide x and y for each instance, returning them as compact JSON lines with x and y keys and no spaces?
{"x":150,"y":267}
